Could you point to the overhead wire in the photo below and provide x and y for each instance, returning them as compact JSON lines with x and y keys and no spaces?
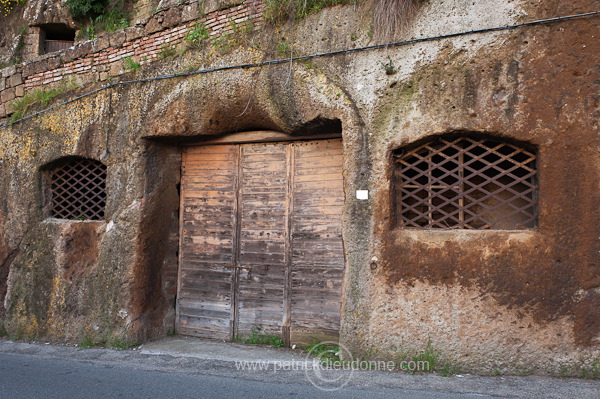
{"x":312,"y":56}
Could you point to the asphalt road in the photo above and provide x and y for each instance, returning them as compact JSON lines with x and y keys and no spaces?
{"x":182,"y":367}
{"x":22,"y":376}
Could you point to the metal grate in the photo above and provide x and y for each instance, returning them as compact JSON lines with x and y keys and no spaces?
{"x":466,"y":183}
{"x":78,"y":190}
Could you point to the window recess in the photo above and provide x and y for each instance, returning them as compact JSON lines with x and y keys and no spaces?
{"x":77,"y":190}
{"x":465,"y":182}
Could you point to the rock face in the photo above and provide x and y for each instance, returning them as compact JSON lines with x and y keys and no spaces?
{"x":39,"y":12}
{"x":508,"y":301}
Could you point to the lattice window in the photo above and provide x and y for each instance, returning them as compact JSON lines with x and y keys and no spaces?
{"x":78,"y":190}
{"x":464,"y":182}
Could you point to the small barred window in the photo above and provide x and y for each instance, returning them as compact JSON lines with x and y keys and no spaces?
{"x":464,"y":182}
{"x":77,"y":190}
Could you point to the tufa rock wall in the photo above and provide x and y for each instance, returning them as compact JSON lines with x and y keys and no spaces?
{"x":489,"y":301}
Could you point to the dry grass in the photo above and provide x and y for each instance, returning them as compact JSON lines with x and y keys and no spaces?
{"x":391,"y":17}
{"x":282,"y":10}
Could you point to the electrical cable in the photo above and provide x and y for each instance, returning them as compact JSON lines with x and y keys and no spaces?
{"x":312,"y":56}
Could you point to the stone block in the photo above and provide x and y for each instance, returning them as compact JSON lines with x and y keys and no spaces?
{"x":117,"y":38}
{"x":7,"y":95}
{"x":134,"y":33}
{"x":153,"y":26}
{"x":172,"y":18}
{"x":53,"y":63}
{"x":116,"y":69}
{"x":99,"y":44}
{"x":190,"y":12}
{"x":8,"y":71}
{"x":68,"y":55}
{"x":15,"y":80}
{"x":216,"y":5}
{"x":33,"y":67}
{"x":84,"y":48}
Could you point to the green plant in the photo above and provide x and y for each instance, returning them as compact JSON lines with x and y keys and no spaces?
{"x":223,"y":43}
{"x":79,"y":216}
{"x":284,"y":50}
{"x":279,"y":10}
{"x":353,"y":36}
{"x":525,"y":372}
{"x":131,"y":65}
{"x":196,"y":34}
{"x":16,"y":337}
{"x":389,"y":67}
{"x":167,"y":52}
{"x":258,"y":337}
{"x":117,"y":343}
{"x":113,"y":19}
{"x":87,"y":342}
{"x":16,"y":60}
{"x":21,"y":44}
{"x":189,"y":69}
{"x":81,"y":9}
{"x":449,"y":369}
{"x":87,"y":32}
{"x":108,"y":15}
{"x":236,"y":37}
{"x":23,"y":30}
{"x":3,"y":332}
{"x":308,"y":63}
{"x":39,"y":97}
{"x":328,"y":353}
{"x":428,"y":357}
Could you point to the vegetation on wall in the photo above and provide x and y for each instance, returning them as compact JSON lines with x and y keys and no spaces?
{"x":105,"y":15}
{"x":389,"y":14}
{"x":196,"y":34}
{"x":39,"y":97}
{"x":279,"y":10}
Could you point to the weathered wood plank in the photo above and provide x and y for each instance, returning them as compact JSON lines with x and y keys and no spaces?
{"x":264,"y":185}
{"x":317,"y":253}
{"x":204,"y":297}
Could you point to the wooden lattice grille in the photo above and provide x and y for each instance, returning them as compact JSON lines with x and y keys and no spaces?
{"x":466,"y":183}
{"x":78,"y":190}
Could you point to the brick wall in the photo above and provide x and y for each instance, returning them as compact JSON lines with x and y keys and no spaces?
{"x":99,"y":59}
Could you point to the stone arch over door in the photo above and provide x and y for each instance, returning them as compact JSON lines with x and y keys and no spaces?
{"x":295,"y":102}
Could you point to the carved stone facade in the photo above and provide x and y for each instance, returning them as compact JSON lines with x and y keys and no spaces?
{"x":491,"y":300}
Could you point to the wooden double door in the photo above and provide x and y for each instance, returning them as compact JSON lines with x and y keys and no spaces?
{"x":261,"y":244}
